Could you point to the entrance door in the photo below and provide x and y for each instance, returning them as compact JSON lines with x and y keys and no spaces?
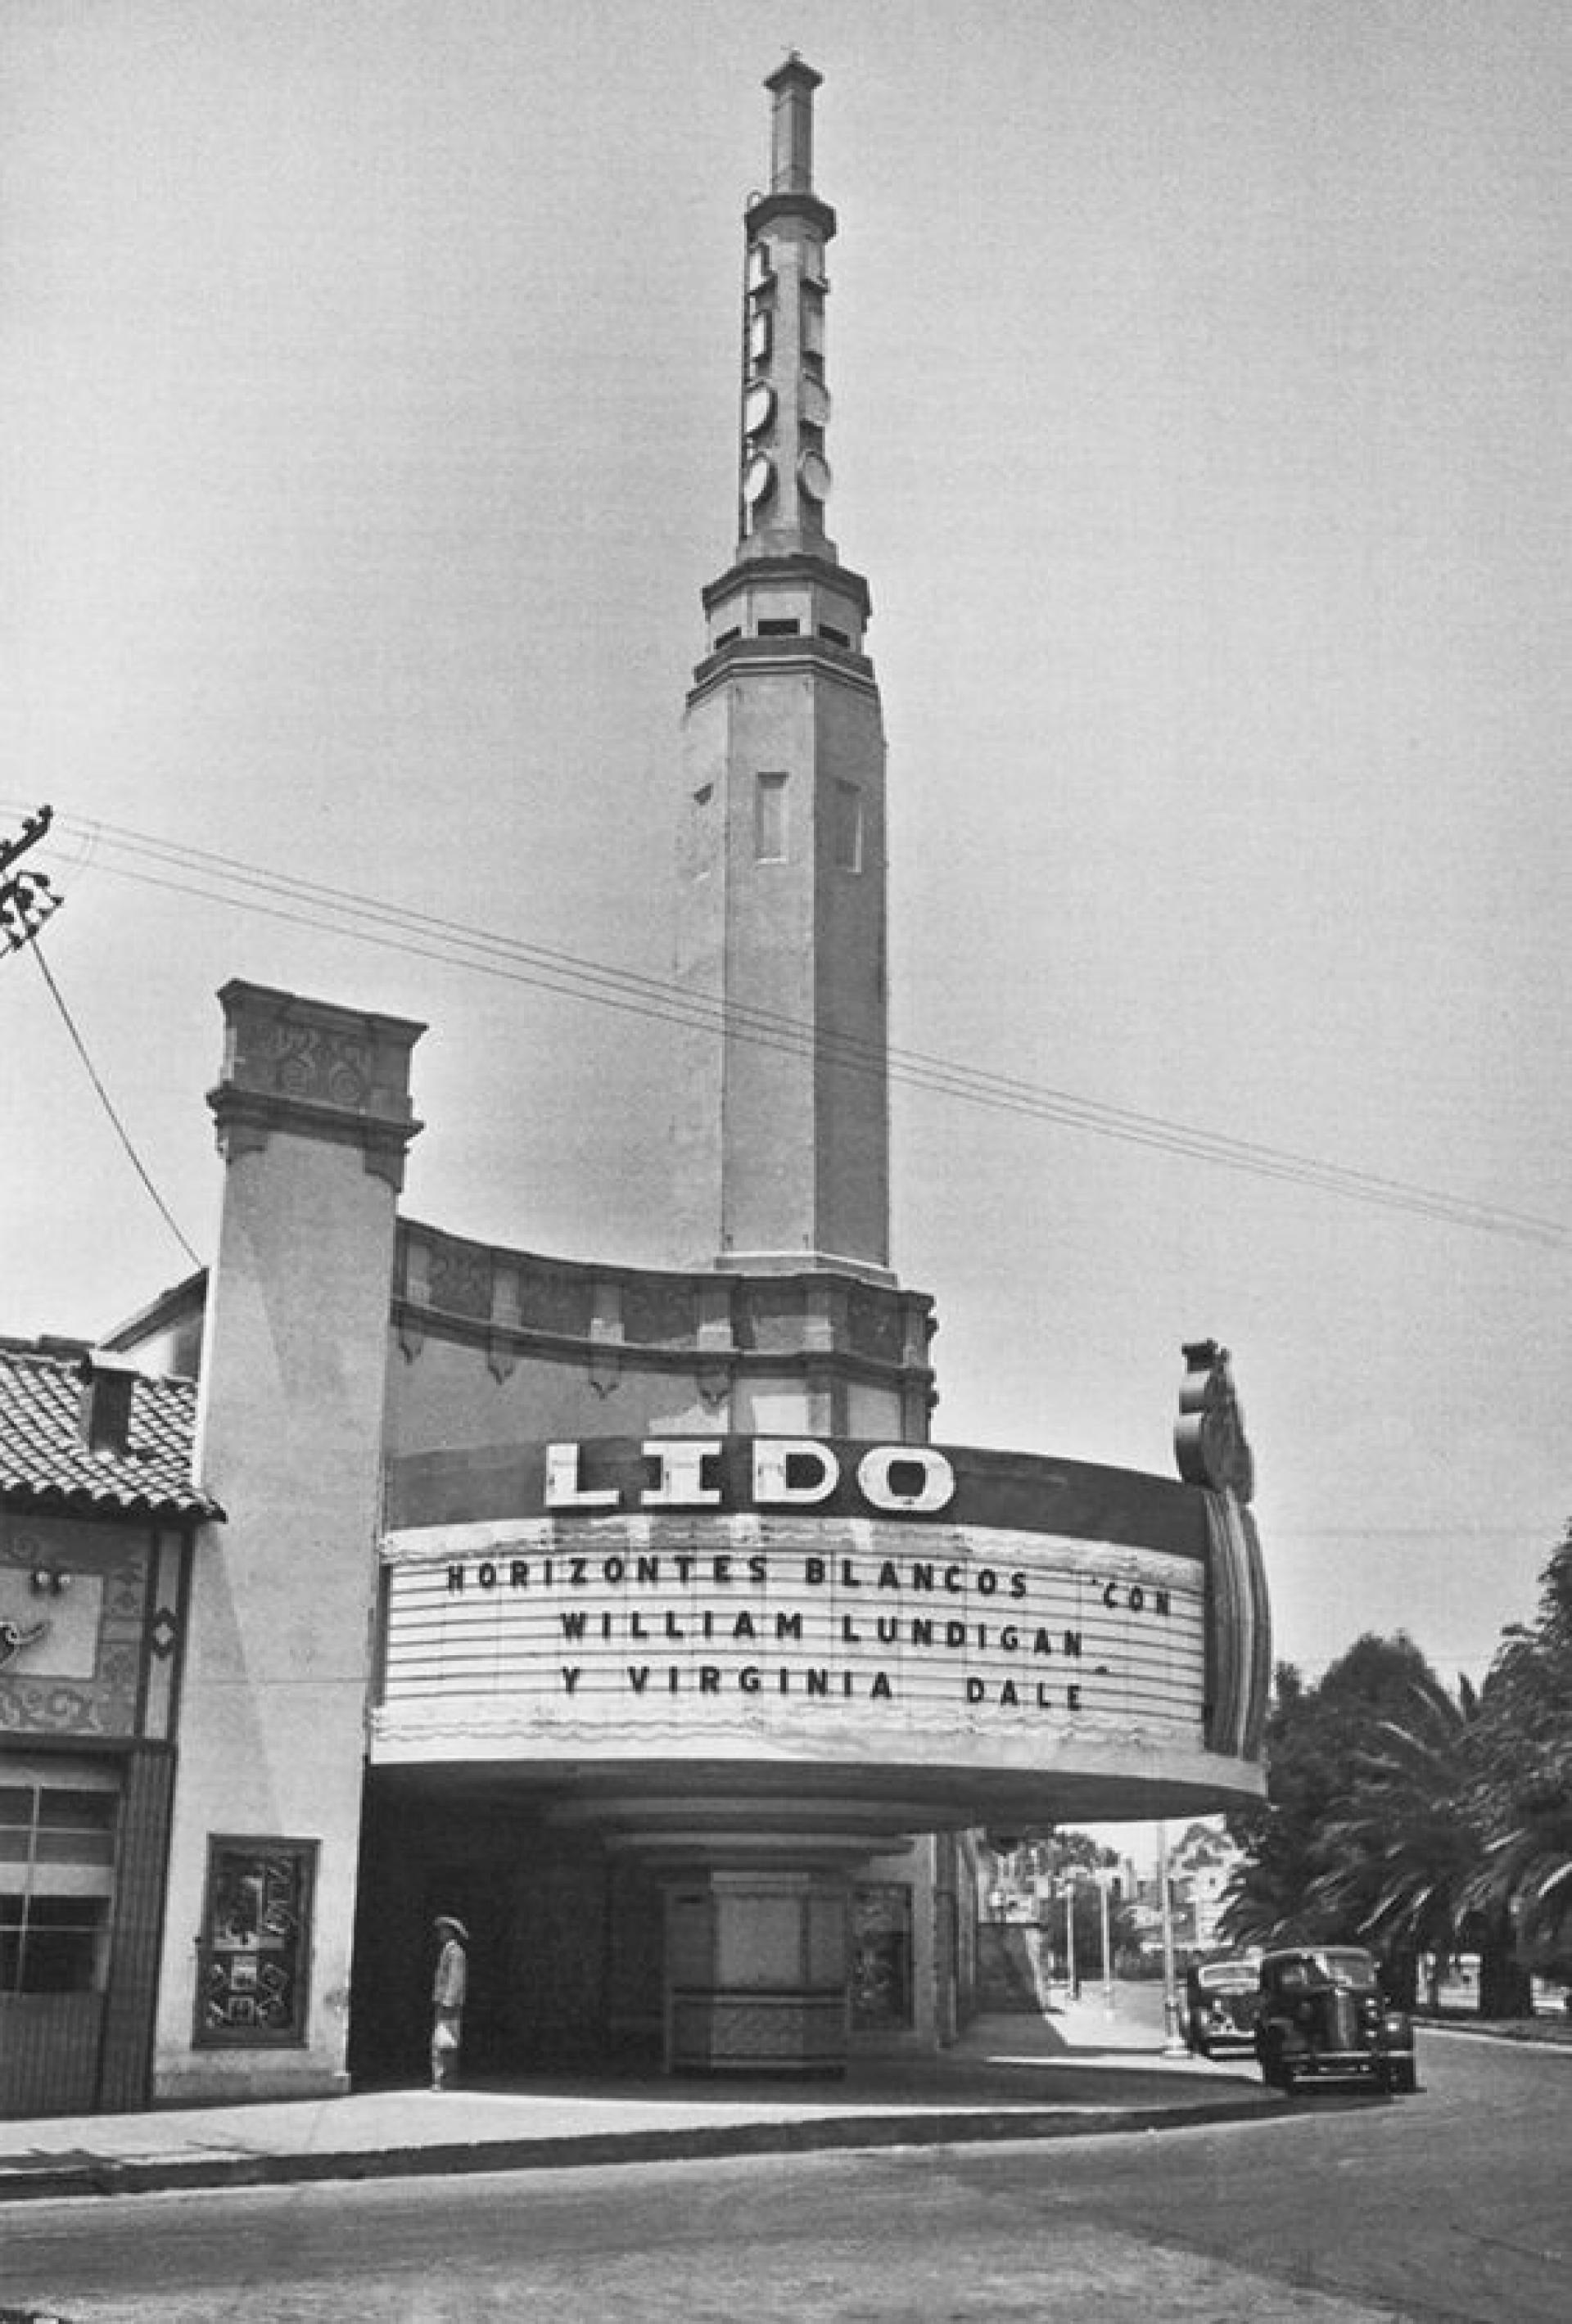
{"x":59,"y":1823}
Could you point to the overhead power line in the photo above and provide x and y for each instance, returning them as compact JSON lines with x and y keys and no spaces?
{"x":187,"y":871}
{"x":108,"y":1105}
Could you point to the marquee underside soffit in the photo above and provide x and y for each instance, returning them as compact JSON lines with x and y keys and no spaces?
{"x":682,"y":1808}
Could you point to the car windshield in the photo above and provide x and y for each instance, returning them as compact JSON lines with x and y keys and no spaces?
{"x":1352,"y":1972}
{"x":1227,"y":1976}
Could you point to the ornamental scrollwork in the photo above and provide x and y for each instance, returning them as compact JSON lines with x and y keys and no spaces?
{"x":1209,"y":1443}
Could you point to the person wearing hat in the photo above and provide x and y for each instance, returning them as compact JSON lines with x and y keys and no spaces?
{"x":447,"y":1991}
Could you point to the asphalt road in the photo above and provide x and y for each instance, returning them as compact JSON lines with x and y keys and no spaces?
{"x":1452,"y":2205}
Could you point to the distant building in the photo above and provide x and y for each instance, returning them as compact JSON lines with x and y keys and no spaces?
{"x":631,"y":1614}
{"x":1202,"y":1862}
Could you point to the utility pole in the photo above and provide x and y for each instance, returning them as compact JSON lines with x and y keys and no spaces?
{"x":1173,"y":2040}
{"x":26,"y":897}
{"x":1102,"y":1877}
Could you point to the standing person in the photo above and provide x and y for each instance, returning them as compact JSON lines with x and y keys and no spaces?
{"x":448,"y":1988}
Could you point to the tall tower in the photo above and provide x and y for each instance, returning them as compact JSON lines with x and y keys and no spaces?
{"x":783,"y":1144}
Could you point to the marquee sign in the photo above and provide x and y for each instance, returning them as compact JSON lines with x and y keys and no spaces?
{"x":696,"y":1472}
{"x":794,"y":1589}
{"x":965,"y":1485}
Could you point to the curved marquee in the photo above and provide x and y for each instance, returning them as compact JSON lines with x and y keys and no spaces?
{"x":787,"y":1602}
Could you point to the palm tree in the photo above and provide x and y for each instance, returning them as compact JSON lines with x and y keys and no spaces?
{"x":1398,"y":1863}
{"x":1312,"y":1869}
{"x":1523,"y":1784}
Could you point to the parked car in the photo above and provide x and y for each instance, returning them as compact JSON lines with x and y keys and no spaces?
{"x":1221,"y":1998}
{"x":1321,"y":2016}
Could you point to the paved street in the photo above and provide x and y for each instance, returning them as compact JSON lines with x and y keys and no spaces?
{"x":1449,"y":2206}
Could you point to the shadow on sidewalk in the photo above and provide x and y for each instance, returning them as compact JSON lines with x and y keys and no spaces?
{"x":1072,"y":2057}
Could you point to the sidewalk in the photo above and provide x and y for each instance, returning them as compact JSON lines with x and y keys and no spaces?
{"x":1070,"y":2074}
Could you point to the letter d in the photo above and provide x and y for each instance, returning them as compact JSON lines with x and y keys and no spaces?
{"x":772,"y":1487}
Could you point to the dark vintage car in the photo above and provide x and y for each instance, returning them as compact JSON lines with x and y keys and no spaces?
{"x":1220,"y":2003}
{"x":1321,"y":2016}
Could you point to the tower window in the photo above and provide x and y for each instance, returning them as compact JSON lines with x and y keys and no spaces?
{"x":846,"y":832}
{"x":770,"y":819}
{"x":698,"y":864}
{"x":781,"y":629}
{"x":836,"y":637}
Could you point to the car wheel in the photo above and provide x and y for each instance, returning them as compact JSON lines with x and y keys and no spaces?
{"x":1277,"y":2069}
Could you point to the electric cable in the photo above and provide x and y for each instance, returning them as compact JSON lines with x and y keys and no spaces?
{"x":36,"y":949}
{"x":423,"y":934}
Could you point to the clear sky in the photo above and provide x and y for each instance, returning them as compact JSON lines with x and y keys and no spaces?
{"x":1201,"y":378}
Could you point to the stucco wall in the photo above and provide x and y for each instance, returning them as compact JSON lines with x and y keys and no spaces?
{"x":273,"y":1713}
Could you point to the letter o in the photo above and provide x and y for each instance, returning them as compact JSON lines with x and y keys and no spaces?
{"x":936,"y":1492}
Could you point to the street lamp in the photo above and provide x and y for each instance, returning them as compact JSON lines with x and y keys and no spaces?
{"x":1173,"y":2040}
{"x":1102,"y":1877}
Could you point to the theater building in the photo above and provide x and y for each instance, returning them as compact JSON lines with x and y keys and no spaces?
{"x":634,"y":1615}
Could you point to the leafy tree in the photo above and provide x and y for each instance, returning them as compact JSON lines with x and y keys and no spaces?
{"x":1402,"y":1816}
{"x":1411,"y":1833}
{"x":1304,"y":1878}
{"x":1523,"y":1788}
{"x":1048,"y":1853}
{"x":1077,"y":1850}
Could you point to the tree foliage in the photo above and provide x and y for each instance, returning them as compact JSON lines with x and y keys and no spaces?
{"x":1316,"y":1738}
{"x":1522,"y":1792}
{"x":1396,"y":1863}
{"x":1416,"y":1820}
{"x":1061,"y":1864}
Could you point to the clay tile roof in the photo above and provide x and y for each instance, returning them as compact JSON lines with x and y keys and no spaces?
{"x":44,"y":1455}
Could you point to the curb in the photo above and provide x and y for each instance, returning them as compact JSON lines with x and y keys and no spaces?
{"x":106,"y":2175}
{"x":1494,"y":2033}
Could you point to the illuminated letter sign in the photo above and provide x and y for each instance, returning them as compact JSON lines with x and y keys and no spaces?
{"x":563,"y":1489}
{"x":783,"y":1473}
{"x":679,"y":1474}
{"x":876,"y":1472}
{"x":775,"y":1459}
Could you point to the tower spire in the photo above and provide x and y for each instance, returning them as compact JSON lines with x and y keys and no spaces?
{"x":791,"y":149}
{"x":784,"y":476}
{"x":783,"y":1129}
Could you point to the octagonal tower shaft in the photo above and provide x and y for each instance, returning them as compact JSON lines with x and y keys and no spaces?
{"x":783,"y":1146}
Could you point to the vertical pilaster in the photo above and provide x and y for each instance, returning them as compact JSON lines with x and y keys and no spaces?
{"x":313,"y":1120}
